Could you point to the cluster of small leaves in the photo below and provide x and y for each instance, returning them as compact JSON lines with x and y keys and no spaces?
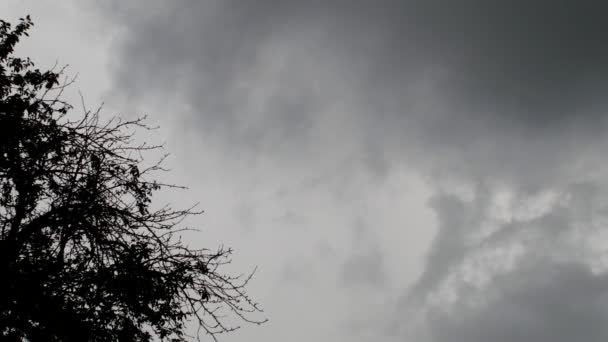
{"x":83,"y":256}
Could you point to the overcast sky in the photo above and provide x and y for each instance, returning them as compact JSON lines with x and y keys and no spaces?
{"x":398,"y":170}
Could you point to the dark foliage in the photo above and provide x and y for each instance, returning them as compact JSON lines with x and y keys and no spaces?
{"x":83,"y":256}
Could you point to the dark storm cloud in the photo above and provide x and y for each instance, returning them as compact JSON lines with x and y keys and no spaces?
{"x":539,"y":284}
{"x":526,"y":56}
{"x":477,"y":83}
{"x":505,"y":91}
{"x":543,"y":302}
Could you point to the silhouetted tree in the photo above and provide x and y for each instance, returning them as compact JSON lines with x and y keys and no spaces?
{"x":83,"y":255}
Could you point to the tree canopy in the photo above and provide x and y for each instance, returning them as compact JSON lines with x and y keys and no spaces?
{"x":84,"y":256}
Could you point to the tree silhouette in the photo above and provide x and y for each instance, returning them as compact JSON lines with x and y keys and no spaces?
{"x":83,"y":255}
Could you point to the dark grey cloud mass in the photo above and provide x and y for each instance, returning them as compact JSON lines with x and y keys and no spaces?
{"x":541,"y":302}
{"x":473,"y":82}
{"x":534,"y":276}
{"x":501,"y":98}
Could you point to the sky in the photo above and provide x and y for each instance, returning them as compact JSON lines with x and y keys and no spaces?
{"x":398,"y":170}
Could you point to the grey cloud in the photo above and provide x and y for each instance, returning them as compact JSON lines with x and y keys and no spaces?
{"x":547,"y":293}
{"x":509,"y":92}
{"x":365,"y":267}
{"x":544,"y":301}
{"x":455,"y":222}
{"x":512,"y":87}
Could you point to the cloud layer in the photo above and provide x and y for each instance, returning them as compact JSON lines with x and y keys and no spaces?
{"x":420,"y":170}
{"x":488,"y":101}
